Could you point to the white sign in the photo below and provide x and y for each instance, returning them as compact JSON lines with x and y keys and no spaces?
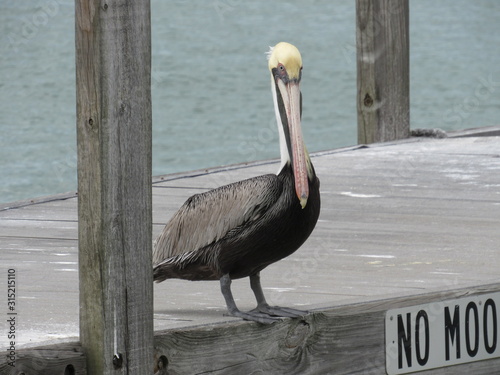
{"x":443,"y":333}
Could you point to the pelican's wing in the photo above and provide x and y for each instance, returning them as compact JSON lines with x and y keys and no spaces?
{"x":207,"y":217}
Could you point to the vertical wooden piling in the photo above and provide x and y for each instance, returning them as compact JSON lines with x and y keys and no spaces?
{"x":113,"y":72}
{"x":383,"y":97}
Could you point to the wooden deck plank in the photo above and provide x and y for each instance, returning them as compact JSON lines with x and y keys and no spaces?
{"x":36,"y":228}
{"x":397,"y":220}
{"x":334,"y":340}
{"x":345,"y":339}
{"x":63,"y":209}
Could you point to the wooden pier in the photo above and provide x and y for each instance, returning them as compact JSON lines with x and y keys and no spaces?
{"x":403,"y":224}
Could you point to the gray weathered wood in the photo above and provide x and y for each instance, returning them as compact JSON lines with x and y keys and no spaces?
{"x":383,"y":96}
{"x":487,"y":131}
{"x":399,"y":220}
{"x":113,"y":62}
{"x":339,"y":340}
{"x":55,"y":359}
{"x":346,"y":339}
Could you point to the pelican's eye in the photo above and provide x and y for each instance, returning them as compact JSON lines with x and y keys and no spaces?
{"x":281,"y":71}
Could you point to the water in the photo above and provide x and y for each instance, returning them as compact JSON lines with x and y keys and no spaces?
{"x":211,"y":87}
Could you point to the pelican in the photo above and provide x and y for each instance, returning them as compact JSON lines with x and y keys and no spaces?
{"x":237,"y":230}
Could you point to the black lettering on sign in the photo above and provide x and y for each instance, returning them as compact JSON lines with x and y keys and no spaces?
{"x":490,"y":305}
{"x":471,"y":306}
{"x":452,"y":331}
{"x":404,"y":340}
{"x":422,"y":339}
{"x":422,"y":315}
{"x":442,"y":334}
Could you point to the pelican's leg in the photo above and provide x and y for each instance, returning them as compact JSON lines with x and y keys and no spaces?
{"x":264,"y":307}
{"x":225,"y":286}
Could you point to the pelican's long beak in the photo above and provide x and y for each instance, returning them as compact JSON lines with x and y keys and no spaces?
{"x":285,"y":65}
{"x":290,"y":95}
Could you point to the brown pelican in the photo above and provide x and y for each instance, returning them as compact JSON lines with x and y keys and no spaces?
{"x":237,"y":230}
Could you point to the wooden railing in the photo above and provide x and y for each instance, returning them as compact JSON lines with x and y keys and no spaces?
{"x":383,"y":65}
{"x":113,"y":62}
{"x":113,"y":72}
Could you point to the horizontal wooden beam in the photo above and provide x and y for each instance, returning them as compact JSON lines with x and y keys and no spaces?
{"x":348,"y":339}
{"x":57,"y":359}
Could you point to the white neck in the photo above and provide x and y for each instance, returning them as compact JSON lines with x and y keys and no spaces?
{"x":285,"y":156}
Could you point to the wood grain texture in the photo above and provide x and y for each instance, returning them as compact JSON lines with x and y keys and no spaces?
{"x":58,"y":359}
{"x":339,"y":340}
{"x":383,"y":69}
{"x":402,"y":222}
{"x":113,"y":63}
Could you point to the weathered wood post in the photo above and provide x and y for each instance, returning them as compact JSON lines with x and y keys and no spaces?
{"x":113,"y":72}
{"x":383,"y":98}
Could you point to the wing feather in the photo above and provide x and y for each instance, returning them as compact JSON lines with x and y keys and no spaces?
{"x":207,"y":217}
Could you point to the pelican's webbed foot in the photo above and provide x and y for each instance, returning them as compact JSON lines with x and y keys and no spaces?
{"x":256,"y":316}
{"x":280,"y":311}
{"x":263,"y":307}
{"x":263,"y":313}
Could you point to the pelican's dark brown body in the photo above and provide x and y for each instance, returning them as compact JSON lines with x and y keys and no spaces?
{"x":276,"y":227}
{"x":239,"y":229}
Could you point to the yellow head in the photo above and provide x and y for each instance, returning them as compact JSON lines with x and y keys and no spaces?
{"x":286,"y":59}
{"x":285,"y":64}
